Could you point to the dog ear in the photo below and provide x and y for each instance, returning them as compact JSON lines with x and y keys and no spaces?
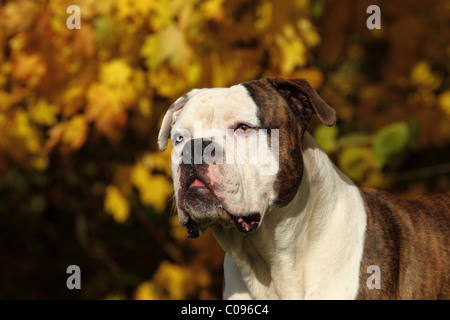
{"x":300,"y":93}
{"x":168,"y":121}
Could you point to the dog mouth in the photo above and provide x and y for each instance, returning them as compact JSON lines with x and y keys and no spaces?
{"x":200,"y":201}
{"x":197,"y":184}
{"x":192,"y":229}
{"x":244,"y":223}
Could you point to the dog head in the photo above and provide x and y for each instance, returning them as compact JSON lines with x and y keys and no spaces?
{"x":237,"y":151}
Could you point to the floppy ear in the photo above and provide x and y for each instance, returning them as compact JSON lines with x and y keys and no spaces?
{"x":300,"y":93}
{"x":169,"y":120}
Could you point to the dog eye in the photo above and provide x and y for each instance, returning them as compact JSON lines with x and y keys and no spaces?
{"x":178,"y":138}
{"x":243,"y":127}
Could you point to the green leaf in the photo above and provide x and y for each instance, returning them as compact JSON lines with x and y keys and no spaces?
{"x":326,"y":137}
{"x":389,"y":141}
{"x":355,"y":162}
{"x":355,"y":139}
{"x":316,"y":8}
{"x":104,"y":28}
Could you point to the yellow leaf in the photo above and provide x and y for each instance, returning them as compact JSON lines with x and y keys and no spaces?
{"x":54,"y":138}
{"x":145,"y":107}
{"x":5,"y":101}
{"x":153,"y":189}
{"x":116,"y":204}
{"x":140,"y":176}
{"x":75,"y":132}
{"x":213,"y":10}
{"x":308,"y":32}
{"x":29,"y":68}
{"x":116,"y":72}
{"x":150,"y":50}
{"x":18,"y":16}
{"x":144,"y":6}
{"x":194,"y":71}
{"x":73,"y":100}
{"x":43,"y":113}
{"x":177,"y":231}
{"x":292,"y":49}
{"x":163,"y":15}
{"x":174,"y":278}
{"x":165,"y":83}
{"x":26,"y":131}
{"x":264,"y":15}
{"x":423,"y":76}
{"x":444,"y":101}
{"x":159,"y":160}
{"x":169,"y":45}
{"x":106,"y":106}
{"x":147,"y":291}
{"x":58,"y":25}
{"x":40,"y":163}
{"x":181,"y":281}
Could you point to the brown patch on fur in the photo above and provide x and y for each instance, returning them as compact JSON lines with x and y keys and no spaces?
{"x":300,"y":95}
{"x":275,"y":113}
{"x":408,"y":240}
{"x":288,"y":105}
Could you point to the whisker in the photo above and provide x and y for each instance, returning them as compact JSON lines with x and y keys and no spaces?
{"x":173,"y":209}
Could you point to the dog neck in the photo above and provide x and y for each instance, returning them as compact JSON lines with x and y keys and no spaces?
{"x":310,"y":248}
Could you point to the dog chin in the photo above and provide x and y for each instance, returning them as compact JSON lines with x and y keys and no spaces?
{"x":204,"y":209}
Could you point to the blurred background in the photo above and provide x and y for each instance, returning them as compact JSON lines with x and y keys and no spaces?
{"x":81,"y":180}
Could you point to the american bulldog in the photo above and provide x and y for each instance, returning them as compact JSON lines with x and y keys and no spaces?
{"x":292,"y":224}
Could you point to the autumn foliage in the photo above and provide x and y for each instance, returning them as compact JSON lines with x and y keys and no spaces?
{"x":81,"y":181}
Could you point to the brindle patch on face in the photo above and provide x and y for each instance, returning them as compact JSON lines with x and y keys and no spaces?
{"x":276,"y":113}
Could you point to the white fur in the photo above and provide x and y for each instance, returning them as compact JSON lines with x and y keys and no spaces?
{"x":310,"y":249}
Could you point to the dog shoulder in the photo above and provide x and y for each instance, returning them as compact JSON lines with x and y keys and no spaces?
{"x":234,"y":287}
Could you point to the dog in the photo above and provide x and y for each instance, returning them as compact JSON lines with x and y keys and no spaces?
{"x":302,"y":229}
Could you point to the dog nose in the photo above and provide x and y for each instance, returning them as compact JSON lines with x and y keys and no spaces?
{"x":202,"y":151}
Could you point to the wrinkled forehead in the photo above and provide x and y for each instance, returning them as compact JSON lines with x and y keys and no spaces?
{"x":218,"y":108}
